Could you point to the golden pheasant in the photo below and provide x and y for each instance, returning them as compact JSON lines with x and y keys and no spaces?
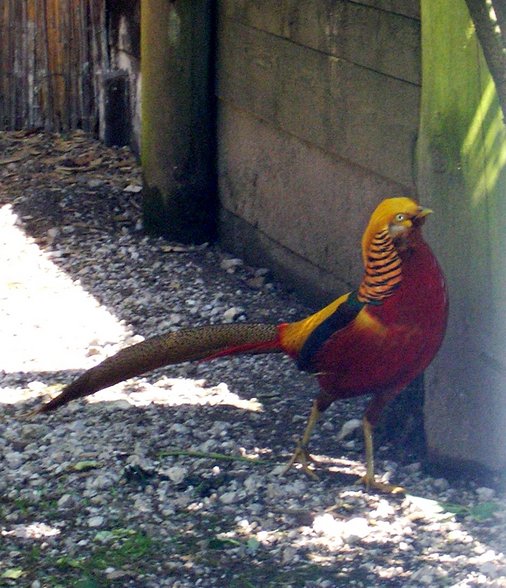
{"x":374,"y":340}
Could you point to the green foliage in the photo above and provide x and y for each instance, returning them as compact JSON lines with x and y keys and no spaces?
{"x":212,"y":455}
{"x":84,"y":466}
{"x":118,"y":548}
{"x":86,"y":583}
{"x":480,"y":512}
{"x":12,"y":574}
{"x":223,"y":543}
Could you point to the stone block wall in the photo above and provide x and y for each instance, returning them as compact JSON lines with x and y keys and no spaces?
{"x":318,"y":106}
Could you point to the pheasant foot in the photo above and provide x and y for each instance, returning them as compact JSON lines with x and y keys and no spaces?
{"x":301,"y":455}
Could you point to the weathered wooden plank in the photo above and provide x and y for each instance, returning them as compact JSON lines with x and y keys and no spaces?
{"x":31,"y":45}
{"x":409,"y":8}
{"x":14,"y":16}
{"x":3,"y":62}
{"x":385,"y":42}
{"x":45,"y":62}
{"x":462,"y":169}
{"x":248,"y":69}
{"x":310,"y":95}
{"x":84,"y":94}
{"x":262,"y":14}
{"x":177,"y":132}
{"x":305,"y":207}
{"x":350,"y":111}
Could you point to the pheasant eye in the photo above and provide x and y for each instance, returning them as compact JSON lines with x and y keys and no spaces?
{"x":399,"y":218}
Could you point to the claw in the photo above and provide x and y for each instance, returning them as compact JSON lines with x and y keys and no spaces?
{"x":301,"y":455}
{"x":373,"y":484}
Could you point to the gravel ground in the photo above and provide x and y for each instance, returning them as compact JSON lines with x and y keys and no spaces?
{"x":173,"y":479}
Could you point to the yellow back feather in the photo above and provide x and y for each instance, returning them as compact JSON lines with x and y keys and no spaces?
{"x":294,"y":335}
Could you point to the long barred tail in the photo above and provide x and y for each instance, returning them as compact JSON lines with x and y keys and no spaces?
{"x":197,"y":343}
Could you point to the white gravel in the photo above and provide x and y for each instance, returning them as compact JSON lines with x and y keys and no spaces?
{"x":173,"y":479}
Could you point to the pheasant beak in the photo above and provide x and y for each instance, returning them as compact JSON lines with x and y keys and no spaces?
{"x":423,"y":212}
{"x":420,"y":215}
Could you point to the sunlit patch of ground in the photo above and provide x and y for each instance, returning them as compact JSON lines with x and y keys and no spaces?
{"x":48,"y":321}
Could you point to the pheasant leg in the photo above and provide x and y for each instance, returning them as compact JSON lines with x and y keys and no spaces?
{"x":301,"y":454}
{"x":369,"y":479}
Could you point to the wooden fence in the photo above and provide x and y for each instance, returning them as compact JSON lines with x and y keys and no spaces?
{"x":52,"y":53}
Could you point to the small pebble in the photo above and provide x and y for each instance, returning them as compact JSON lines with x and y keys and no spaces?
{"x":176,"y":474}
{"x":230,"y":265}
{"x":96,"y":521}
{"x":229,"y":497}
{"x":485,"y":494}
{"x":232,"y":314}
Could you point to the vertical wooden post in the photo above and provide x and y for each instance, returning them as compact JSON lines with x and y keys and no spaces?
{"x":462,"y":175}
{"x":177,"y":139}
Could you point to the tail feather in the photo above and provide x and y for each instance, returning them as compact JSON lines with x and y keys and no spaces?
{"x":197,"y":343}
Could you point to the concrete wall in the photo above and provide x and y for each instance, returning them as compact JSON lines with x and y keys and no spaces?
{"x":318,"y":106}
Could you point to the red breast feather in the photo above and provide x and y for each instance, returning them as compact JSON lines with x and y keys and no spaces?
{"x":388,"y":345}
